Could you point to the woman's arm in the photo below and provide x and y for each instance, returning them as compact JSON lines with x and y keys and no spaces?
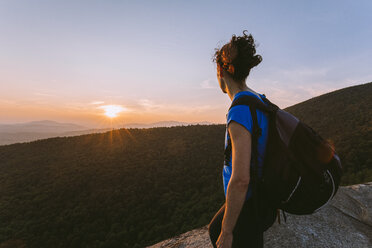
{"x":238,"y":185}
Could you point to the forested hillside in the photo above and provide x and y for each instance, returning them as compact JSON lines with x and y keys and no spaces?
{"x":135,"y":187}
{"x":345,"y":118}
{"x":125,"y":188}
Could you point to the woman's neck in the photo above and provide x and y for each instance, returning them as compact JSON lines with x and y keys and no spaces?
{"x":235,"y":90}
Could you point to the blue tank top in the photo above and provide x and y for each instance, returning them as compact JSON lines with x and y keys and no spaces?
{"x":242,"y":115}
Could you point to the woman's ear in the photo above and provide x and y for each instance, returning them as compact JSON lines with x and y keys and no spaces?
{"x":219,"y":70}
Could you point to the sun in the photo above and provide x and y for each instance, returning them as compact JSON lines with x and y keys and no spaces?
{"x":112,"y":111}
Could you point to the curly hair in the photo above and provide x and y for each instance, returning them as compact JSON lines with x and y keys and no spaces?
{"x":238,"y":56}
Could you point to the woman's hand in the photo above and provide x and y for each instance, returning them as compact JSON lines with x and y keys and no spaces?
{"x":224,"y":240}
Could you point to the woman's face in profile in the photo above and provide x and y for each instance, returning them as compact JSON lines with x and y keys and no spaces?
{"x":221,"y":81}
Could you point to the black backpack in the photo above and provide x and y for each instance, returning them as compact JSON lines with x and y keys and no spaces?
{"x":301,"y":171}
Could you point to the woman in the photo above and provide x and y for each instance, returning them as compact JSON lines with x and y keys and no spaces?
{"x":235,"y":224}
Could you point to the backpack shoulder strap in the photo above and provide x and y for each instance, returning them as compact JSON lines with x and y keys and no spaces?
{"x":256,"y":132}
{"x":251,"y":100}
{"x":253,"y":103}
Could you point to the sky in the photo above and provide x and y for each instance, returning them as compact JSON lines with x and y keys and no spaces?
{"x":69,"y":61}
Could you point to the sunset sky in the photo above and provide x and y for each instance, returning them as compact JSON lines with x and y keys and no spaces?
{"x":67,"y":60}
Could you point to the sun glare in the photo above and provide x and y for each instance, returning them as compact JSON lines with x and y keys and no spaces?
{"x":112,"y":111}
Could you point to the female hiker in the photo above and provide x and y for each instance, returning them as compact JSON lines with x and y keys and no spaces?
{"x":235,"y":224}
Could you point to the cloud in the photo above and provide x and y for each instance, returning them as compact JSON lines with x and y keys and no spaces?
{"x":5,"y":101}
{"x":209,"y":84}
{"x":148,"y":104}
{"x":303,"y":73}
{"x":44,"y":94}
{"x":97,"y":102}
{"x":288,"y":87}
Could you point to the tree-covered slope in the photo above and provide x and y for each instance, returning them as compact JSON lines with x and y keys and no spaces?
{"x":125,"y":188}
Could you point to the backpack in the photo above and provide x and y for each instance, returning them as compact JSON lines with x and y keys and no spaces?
{"x":301,"y":171}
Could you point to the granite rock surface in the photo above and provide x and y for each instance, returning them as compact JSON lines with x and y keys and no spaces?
{"x":345,"y":222}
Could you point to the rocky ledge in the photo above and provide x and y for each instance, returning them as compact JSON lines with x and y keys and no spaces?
{"x":345,"y":222}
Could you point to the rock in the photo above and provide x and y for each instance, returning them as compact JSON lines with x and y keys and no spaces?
{"x":345,"y":222}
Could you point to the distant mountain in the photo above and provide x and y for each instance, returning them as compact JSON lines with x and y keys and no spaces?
{"x":12,"y":138}
{"x":165,"y":124}
{"x":44,"y":126}
{"x":36,"y":130}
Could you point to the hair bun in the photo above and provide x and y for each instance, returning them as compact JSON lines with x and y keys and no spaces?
{"x":256,"y":60}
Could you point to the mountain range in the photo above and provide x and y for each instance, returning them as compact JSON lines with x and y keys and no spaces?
{"x":35,"y":130}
